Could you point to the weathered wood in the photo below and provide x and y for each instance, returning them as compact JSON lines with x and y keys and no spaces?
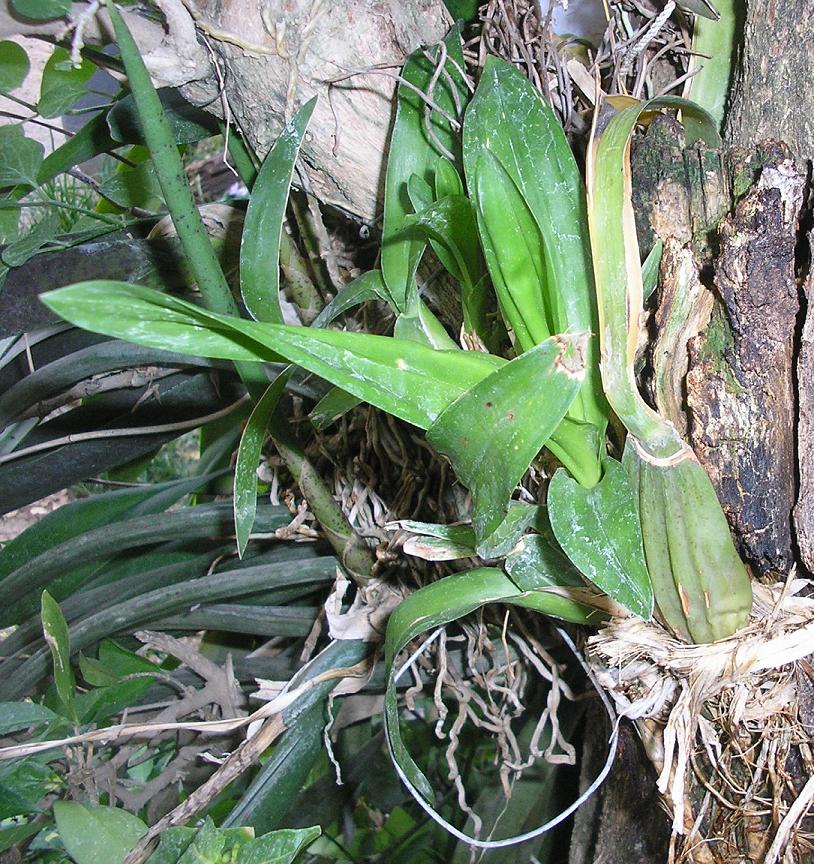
{"x":740,"y":389}
{"x":804,"y":512}
{"x":305,"y":46}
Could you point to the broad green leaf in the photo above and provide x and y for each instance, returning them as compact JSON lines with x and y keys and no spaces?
{"x":493,"y":432}
{"x":14,"y":66}
{"x":515,"y":254}
{"x":508,"y":117}
{"x":368,"y":286}
{"x":17,"y":833}
{"x":536,"y":562}
{"x":20,"y":157}
{"x":100,"y":703}
{"x":91,"y":140}
{"x":403,"y":378}
{"x":56,"y":635}
{"x":423,"y":327}
{"x":277,"y":847}
{"x":412,"y":151}
{"x":433,"y":606}
{"x":248,"y":458}
{"x":206,"y":846}
{"x":93,"y":834}
{"x":174,"y":842}
{"x":120,"y":662}
{"x":134,"y":187}
{"x":15,"y":716}
{"x":449,"y":224}
{"x":23,"y":785}
{"x":447,"y":179}
{"x":463,"y":10}
{"x":260,"y":244}
{"x":38,"y":235}
{"x":42,"y":10}
{"x":599,"y":531}
{"x":186,"y":122}
{"x":333,"y":405}
{"x":504,"y":538}
{"x":63,"y":83}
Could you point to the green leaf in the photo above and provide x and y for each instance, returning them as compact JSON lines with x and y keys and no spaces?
{"x":248,"y":458}
{"x":55,"y":631}
{"x":15,"y":716}
{"x":333,"y":405}
{"x":515,"y":254}
{"x":186,"y":122}
{"x":449,"y":224}
{"x":91,"y":140}
{"x":600,"y":532}
{"x":37,"y":236}
{"x":492,"y":432}
{"x":176,"y":191}
{"x":42,"y":10}
{"x":537,"y":562}
{"x":462,"y":10}
{"x":368,"y":286}
{"x":23,"y":785}
{"x":403,"y":378}
{"x":15,"y":834}
{"x":650,"y":269}
{"x":277,"y":847}
{"x":506,"y":536}
{"x":174,"y":842}
{"x":508,"y":117}
{"x":447,"y":179}
{"x":713,"y":60}
{"x":260,"y":245}
{"x":63,"y":83}
{"x":420,"y":325}
{"x":206,"y":846}
{"x":134,"y":187}
{"x":93,"y":834}
{"x":14,"y":65}
{"x":413,"y":152}
{"x":20,"y":157}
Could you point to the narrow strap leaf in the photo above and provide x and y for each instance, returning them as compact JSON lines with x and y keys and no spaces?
{"x":248,"y":456}
{"x":260,"y":244}
{"x":171,"y":176}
